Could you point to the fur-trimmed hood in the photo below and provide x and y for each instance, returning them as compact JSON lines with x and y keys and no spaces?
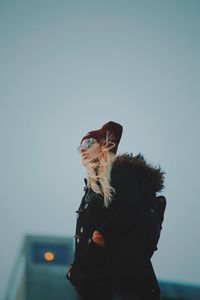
{"x":153,"y":174}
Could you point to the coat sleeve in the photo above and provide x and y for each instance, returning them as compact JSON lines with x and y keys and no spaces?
{"x":127,"y":218}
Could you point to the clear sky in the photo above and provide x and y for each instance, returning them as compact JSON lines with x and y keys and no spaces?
{"x":67,"y":67}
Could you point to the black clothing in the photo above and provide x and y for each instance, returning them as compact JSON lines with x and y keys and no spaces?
{"x":101,"y":291}
{"x":124,"y":262}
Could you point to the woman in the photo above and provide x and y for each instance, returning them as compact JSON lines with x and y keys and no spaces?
{"x":112,"y":258}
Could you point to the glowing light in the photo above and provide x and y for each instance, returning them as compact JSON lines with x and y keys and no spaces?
{"x":49,"y":256}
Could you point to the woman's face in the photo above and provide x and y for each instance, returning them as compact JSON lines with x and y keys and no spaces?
{"x":90,"y":150}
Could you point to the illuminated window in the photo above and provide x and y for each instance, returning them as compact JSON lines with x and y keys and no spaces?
{"x":47,"y":253}
{"x":49,"y":256}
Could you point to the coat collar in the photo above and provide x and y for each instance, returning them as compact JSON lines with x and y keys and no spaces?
{"x":153,"y":174}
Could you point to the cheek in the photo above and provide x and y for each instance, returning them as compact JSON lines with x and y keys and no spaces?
{"x":97,"y":150}
{"x":93,"y":152}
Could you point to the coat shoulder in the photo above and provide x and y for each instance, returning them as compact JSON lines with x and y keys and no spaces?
{"x":139,"y":166}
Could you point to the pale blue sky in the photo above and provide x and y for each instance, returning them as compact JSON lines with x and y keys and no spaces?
{"x":67,"y":67}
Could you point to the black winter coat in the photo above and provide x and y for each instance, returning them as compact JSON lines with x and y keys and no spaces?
{"x":124,"y":262}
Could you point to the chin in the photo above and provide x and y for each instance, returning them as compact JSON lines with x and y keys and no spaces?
{"x":88,"y":160}
{"x":85,"y":161}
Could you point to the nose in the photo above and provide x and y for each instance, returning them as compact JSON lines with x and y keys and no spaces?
{"x":83,"y":150}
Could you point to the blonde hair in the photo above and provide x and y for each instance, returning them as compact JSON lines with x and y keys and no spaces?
{"x":100,"y":170}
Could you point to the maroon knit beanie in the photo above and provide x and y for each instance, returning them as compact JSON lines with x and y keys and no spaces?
{"x":114,"y":131}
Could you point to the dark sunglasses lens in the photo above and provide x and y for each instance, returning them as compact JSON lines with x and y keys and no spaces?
{"x":85,"y":144}
{"x":88,"y":143}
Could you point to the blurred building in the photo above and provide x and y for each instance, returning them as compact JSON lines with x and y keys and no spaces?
{"x":179,"y":291}
{"x":39,"y":273}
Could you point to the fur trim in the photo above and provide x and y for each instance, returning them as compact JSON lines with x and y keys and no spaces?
{"x":139,"y":164}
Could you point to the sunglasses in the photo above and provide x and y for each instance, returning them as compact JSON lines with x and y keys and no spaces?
{"x":86,"y":144}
